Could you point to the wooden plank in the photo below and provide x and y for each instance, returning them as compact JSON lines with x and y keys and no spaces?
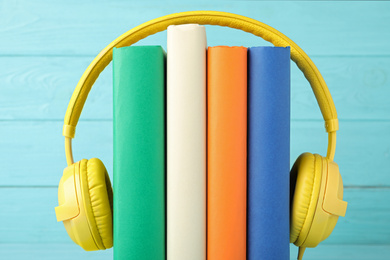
{"x":366,"y":220}
{"x":66,"y":251}
{"x":50,"y":251}
{"x":40,"y":88}
{"x":52,"y":28}
{"x":35,"y":149}
{"x":35,"y":154}
{"x":27,"y":216}
{"x":359,"y":88}
{"x":362,"y":151}
{"x":344,"y":252}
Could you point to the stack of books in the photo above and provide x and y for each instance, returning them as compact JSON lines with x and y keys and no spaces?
{"x":201,"y":150}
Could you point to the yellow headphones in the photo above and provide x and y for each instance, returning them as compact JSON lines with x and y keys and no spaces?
{"x":85,"y":194}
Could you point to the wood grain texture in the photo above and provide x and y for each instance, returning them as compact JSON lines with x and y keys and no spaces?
{"x":27,"y":216}
{"x":34,"y":150}
{"x":45,"y":46}
{"x":344,"y":252}
{"x":74,"y":28}
{"x":35,"y":154}
{"x":43,"y":86}
{"x":52,"y":251}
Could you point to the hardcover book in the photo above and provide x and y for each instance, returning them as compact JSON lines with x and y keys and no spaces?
{"x":139,"y":152}
{"x":268,"y":153}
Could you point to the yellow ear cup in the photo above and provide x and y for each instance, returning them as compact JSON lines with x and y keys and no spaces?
{"x":71,"y":209}
{"x":316,"y":201}
{"x":97,"y":198}
{"x":305,"y":183}
{"x":329,"y":206}
{"x":85,"y":204}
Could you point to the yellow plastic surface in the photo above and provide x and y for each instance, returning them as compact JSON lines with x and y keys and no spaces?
{"x":301,"y":251}
{"x":331,"y":145}
{"x":333,"y":199}
{"x":246,"y":24}
{"x":67,"y":199}
{"x":83,"y":207}
{"x":68,"y":151}
{"x":69,"y":131}
{"x":321,"y":217}
{"x":78,"y":227}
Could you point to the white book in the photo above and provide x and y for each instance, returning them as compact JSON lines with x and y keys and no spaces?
{"x":186,"y":142}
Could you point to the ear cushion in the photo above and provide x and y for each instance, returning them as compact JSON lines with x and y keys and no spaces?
{"x":305,"y":179}
{"x":97,"y":195}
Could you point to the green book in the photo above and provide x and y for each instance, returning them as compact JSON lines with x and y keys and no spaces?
{"x":139,"y":152}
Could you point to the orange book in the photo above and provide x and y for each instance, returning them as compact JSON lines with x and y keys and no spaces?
{"x":226,"y":152}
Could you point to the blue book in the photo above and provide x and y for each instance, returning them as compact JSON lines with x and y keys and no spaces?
{"x":268,"y":153}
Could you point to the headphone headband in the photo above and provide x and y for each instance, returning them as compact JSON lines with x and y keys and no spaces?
{"x":243,"y":23}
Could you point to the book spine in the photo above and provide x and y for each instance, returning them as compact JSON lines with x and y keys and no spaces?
{"x":226,"y":152}
{"x":139,"y":152}
{"x":186,"y":142}
{"x":268,"y":153}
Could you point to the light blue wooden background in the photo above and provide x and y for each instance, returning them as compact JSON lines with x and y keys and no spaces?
{"x":46,"y":45}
